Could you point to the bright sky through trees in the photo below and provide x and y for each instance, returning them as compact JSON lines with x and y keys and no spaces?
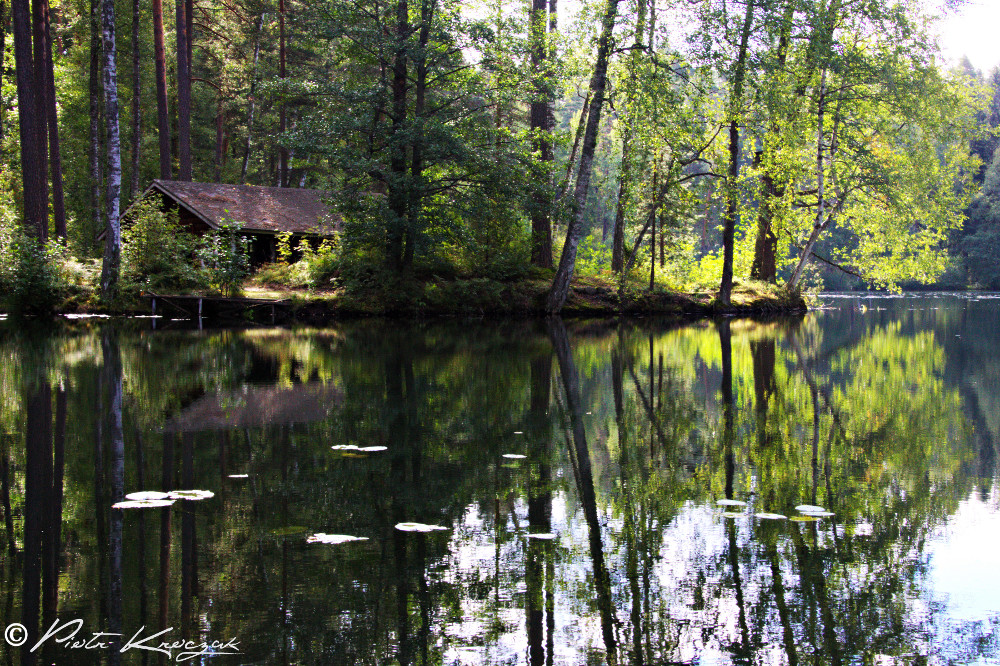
{"x":971,"y":31}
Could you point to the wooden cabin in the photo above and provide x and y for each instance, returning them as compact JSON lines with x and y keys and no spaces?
{"x":263,"y":212}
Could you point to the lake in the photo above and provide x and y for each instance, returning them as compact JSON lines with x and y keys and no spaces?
{"x":818,"y":490}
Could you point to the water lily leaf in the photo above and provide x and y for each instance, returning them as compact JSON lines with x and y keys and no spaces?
{"x":770,"y":516}
{"x":373,"y":449}
{"x":819,"y":514}
{"x":333,"y":539}
{"x":545,"y":536}
{"x":733,"y":514}
{"x":729,"y":502}
{"x":142,"y":504}
{"x":192,"y":495}
{"x":805,"y":519}
{"x":146,"y":495}
{"x":418,"y":527}
{"x":351,"y":454}
{"x":513,"y":456}
{"x":809,"y":508}
{"x":518,"y":432}
{"x":344,"y":447}
{"x":239,"y":476}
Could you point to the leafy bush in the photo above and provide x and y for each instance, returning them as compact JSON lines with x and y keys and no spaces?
{"x":31,"y":277}
{"x":225,"y":255}
{"x":157,"y":253}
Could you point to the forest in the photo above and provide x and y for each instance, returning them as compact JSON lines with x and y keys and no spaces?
{"x":666,"y":145}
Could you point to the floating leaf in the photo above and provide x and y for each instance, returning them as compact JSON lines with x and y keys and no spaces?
{"x":344,"y":447}
{"x":418,"y":527}
{"x":333,"y":539}
{"x":733,"y":514}
{"x":770,"y":516}
{"x":239,"y":476}
{"x":809,"y":508}
{"x":142,"y":504}
{"x":373,"y":449}
{"x":192,"y":495}
{"x":819,"y":514}
{"x":805,"y":519}
{"x":147,"y":495}
{"x":546,"y":536}
{"x":518,"y":432}
{"x":291,"y":530}
{"x":729,"y":502}
{"x":513,"y":456}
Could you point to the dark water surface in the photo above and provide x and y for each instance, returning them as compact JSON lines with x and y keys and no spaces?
{"x":617,"y":440}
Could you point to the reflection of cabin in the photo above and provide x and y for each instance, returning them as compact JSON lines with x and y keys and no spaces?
{"x":257,"y":406}
{"x":263,"y":212}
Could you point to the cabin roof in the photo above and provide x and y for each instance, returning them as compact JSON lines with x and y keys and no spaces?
{"x":270,"y":210}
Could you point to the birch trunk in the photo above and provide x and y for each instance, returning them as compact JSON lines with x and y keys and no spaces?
{"x":112,"y":239}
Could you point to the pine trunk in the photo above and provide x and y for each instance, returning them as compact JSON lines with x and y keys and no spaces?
{"x":112,"y":239}
{"x":567,"y":262}
{"x":96,"y":177}
{"x":252,"y":100}
{"x":397,"y":162}
{"x":183,"y":94}
{"x":162,"y":112}
{"x":52,"y":122}
{"x":136,"y":104}
{"x":31,"y":133}
{"x":282,"y":118}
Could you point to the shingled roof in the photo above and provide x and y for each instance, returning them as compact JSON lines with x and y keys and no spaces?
{"x":259,"y":209}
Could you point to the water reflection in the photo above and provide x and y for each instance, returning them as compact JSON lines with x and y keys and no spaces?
{"x":600,"y":541}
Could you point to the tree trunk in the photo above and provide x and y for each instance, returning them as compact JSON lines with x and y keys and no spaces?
{"x":183,"y":93}
{"x":39,"y":19}
{"x":732,"y":193}
{"x":219,"y":138}
{"x":625,"y":173}
{"x":414,"y":206}
{"x":541,"y":223}
{"x":52,"y":122}
{"x":821,"y":220}
{"x":32,"y":135}
{"x":397,"y":162}
{"x":567,"y":262}
{"x":282,"y":119}
{"x":252,"y":100}
{"x":162,"y":112}
{"x":136,"y":101}
{"x":112,"y":239}
{"x":96,"y":104}
{"x":580,"y":126}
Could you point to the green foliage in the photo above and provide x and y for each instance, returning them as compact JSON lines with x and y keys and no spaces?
{"x":157,"y":254}
{"x":32,"y":277}
{"x":224,"y":253}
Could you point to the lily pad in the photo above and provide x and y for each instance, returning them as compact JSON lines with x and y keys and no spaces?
{"x":544,"y":536}
{"x":333,"y":539}
{"x":805,"y":519}
{"x":142,"y":504}
{"x":729,"y":502}
{"x":418,"y":527}
{"x":819,"y":514}
{"x":192,"y":495}
{"x":518,"y":432}
{"x":513,"y":456}
{"x":770,"y":516}
{"x":809,"y":508}
{"x":146,"y":495}
{"x":239,"y":476}
{"x":344,"y":447}
{"x":373,"y":449}
{"x":733,"y":514}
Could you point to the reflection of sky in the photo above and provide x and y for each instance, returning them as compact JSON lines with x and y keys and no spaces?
{"x":965,"y":561}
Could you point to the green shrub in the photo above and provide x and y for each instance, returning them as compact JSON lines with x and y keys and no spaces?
{"x":157,"y":253}
{"x":32,"y":279}
{"x":225,"y":255}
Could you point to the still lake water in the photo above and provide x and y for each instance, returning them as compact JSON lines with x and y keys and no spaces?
{"x":576,"y":471}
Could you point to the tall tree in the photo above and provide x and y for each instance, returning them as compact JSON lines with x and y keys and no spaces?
{"x":112,"y":238}
{"x":252,"y":97}
{"x":52,"y":124}
{"x":598,"y":82}
{"x":136,"y":104}
{"x":96,"y":104}
{"x":162,"y":111}
{"x":541,"y":130}
{"x":282,"y":110}
{"x":184,"y":167}
{"x":30,"y":112}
